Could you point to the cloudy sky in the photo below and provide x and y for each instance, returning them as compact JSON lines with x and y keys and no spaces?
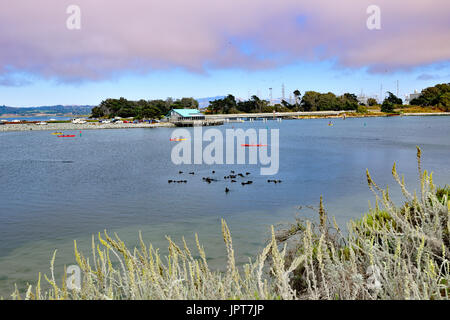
{"x":160,"y":48}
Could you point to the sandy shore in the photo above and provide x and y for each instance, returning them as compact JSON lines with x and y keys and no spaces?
{"x":77,"y":127}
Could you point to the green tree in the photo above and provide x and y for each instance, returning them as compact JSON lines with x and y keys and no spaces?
{"x":444,"y":102}
{"x":361,"y":109}
{"x":287,"y":105}
{"x":297,"y":96}
{"x":229,"y":103}
{"x":151,"y":112}
{"x":387,"y":106}
{"x":327,"y":101}
{"x":125,"y":108}
{"x":225,"y":105}
{"x":371,"y":102}
{"x":309,"y":101}
{"x":97,"y":112}
{"x":394,"y":99}
{"x":431,"y":96}
{"x":189,"y":103}
{"x":348,"y":101}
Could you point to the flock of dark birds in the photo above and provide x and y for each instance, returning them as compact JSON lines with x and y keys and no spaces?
{"x":232,"y":177}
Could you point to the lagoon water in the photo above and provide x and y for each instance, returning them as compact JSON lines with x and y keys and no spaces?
{"x":56,"y":190}
{"x":38,"y":118}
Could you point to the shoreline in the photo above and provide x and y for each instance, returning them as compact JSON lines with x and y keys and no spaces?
{"x":98,"y":126}
{"x":77,"y":127}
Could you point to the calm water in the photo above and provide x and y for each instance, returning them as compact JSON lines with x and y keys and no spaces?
{"x":56,"y":190}
{"x":40,"y":118}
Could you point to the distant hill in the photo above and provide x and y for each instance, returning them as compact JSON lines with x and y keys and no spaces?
{"x":204,"y":102}
{"x":51,"y":110}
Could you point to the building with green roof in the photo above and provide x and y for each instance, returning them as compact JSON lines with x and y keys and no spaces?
{"x":185,"y":114}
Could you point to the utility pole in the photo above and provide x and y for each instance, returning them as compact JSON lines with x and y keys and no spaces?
{"x":271,"y":97}
{"x":283,"y":92}
{"x":381,"y":94}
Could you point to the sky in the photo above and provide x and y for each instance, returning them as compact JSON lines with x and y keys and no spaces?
{"x":81,"y":52}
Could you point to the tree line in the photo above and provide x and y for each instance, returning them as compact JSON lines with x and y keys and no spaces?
{"x":311,"y":101}
{"x":149,"y":109}
{"x":437,"y":96}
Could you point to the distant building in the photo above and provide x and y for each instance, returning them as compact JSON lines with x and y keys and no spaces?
{"x":412,"y":96}
{"x":185,"y":114}
{"x":362,"y":99}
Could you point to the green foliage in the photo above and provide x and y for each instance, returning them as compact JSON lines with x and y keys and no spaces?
{"x":225,"y":105}
{"x":311,"y":101}
{"x":287,"y":105}
{"x":372,"y":102}
{"x":97,"y":112}
{"x":387,"y":106}
{"x":315,"y":101}
{"x":230,"y":105}
{"x":391,"y":253}
{"x":439,"y":96}
{"x":441,"y":193}
{"x":348,"y":101}
{"x":444,"y":102}
{"x":362,"y":110}
{"x":297,"y":96}
{"x":185,"y":103}
{"x":151,"y":109}
{"x":392,"y":98}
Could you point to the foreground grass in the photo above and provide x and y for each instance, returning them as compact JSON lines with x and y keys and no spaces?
{"x":390,"y":253}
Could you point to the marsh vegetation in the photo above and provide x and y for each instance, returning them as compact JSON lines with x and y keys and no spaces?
{"x":392,"y":252}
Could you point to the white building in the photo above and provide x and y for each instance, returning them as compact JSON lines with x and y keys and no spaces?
{"x":412,"y":96}
{"x":185,"y":114}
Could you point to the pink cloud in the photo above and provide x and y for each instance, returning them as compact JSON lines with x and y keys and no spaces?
{"x":142,"y":35}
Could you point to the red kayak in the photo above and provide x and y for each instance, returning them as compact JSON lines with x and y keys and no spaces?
{"x":67,"y":136}
{"x":253,"y":145}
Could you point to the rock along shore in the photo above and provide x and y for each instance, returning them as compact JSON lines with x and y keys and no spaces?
{"x":60,"y":127}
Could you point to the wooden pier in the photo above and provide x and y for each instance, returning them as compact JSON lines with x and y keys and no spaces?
{"x":275,"y":115}
{"x":198,"y":123}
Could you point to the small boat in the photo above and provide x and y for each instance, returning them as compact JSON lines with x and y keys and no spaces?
{"x":57,"y":133}
{"x":179,"y":139}
{"x":67,"y":136}
{"x":330,"y":124}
